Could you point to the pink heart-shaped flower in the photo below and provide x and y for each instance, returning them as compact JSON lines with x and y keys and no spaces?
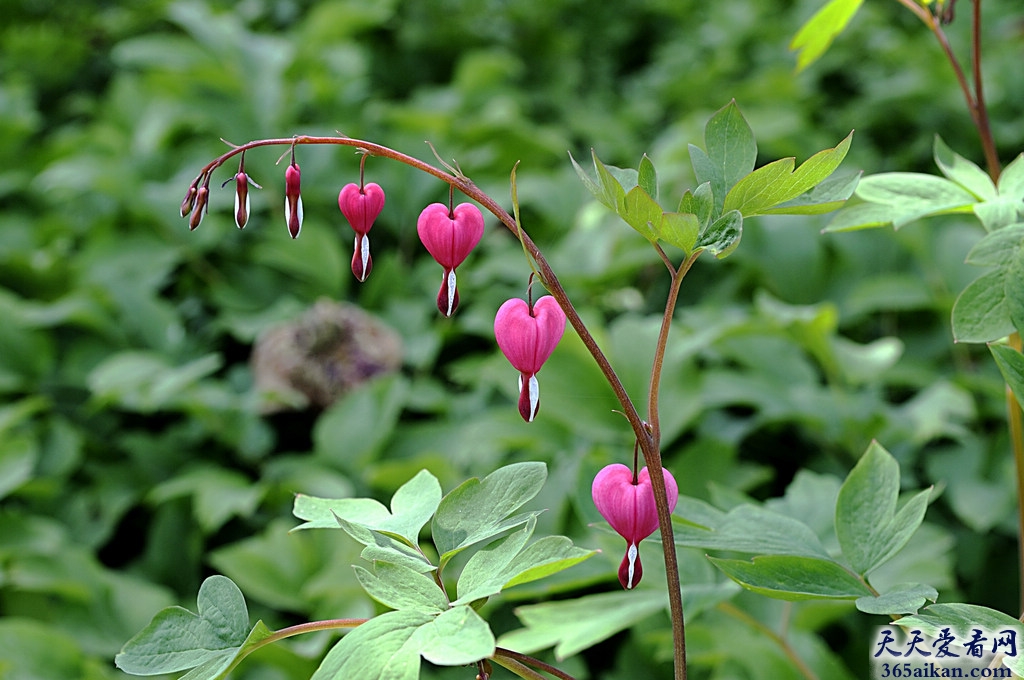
{"x":361,"y":207}
{"x":450,"y":236}
{"x":631,"y":512}
{"x":527,"y":337}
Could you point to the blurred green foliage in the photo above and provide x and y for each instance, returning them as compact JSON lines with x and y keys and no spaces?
{"x":134,"y":460}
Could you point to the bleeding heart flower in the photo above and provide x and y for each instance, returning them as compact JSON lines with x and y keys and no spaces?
{"x":200,"y":203}
{"x":629,"y":507}
{"x":292,"y":198}
{"x":242,"y":182}
{"x":361,"y":206}
{"x":449,"y":236}
{"x":527,"y":337}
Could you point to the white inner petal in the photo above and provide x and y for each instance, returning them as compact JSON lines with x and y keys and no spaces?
{"x":632,"y":554}
{"x":534,"y":395}
{"x":451,"y":291}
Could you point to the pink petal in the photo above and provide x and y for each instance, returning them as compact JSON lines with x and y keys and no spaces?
{"x":450,"y":238}
{"x":528,"y":341}
{"x":629,"y":508}
{"x":361,"y":208}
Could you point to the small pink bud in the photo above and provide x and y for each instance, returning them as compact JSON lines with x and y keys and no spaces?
{"x":449,"y":236}
{"x":190,"y":198}
{"x":201,"y":205}
{"x":361,"y":207}
{"x":527,"y":337}
{"x":629,"y":507}
{"x":242,"y":182}
{"x":292,"y":199}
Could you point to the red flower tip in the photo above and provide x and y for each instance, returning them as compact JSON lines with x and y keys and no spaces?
{"x":362,"y":263}
{"x":527,"y":337}
{"x":630,"y":510}
{"x":293,"y":199}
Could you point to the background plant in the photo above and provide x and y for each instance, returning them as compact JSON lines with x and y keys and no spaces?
{"x":104,"y":124}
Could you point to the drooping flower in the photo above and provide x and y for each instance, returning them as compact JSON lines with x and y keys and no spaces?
{"x":200,"y":205}
{"x":361,"y":206}
{"x":527,"y":337}
{"x":292,"y":198}
{"x":629,"y":507}
{"x":242,"y":182}
{"x":449,"y":236}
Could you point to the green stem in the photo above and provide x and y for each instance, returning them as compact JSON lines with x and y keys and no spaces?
{"x":311,"y":627}
{"x":787,"y":649}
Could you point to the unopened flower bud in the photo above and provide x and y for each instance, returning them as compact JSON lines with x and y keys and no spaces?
{"x":292,"y":199}
{"x":242,"y":182}
{"x":201,"y":205}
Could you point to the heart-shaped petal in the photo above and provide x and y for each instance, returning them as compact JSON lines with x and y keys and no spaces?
{"x":361,"y":207}
{"x":628,"y":507}
{"x":450,"y":236}
{"x":528,"y":339}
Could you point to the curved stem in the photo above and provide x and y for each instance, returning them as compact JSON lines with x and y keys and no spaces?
{"x":676,"y":280}
{"x":530,"y":661}
{"x":1013,"y":414}
{"x":311,"y":627}
{"x":648,"y":445}
{"x":980,"y":111}
{"x":520,"y":669}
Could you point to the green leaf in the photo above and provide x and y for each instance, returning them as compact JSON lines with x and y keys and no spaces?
{"x":963,"y":172}
{"x":381,"y":547}
{"x":731,"y":151}
{"x":861,"y":216}
{"x":960,"y":619}
{"x":647,"y":177}
{"x":997,"y":248}
{"x":911,"y":196}
{"x":147,"y":381}
{"x":217,"y":494}
{"x":679,"y":230}
{"x":829,"y":195}
{"x":786,"y":577}
{"x":641,"y":212}
{"x":18,"y":456}
{"x":869,"y":528}
{"x":1011,"y":180}
{"x":1011,"y":365}
{"x":575,"y":625}
{"x":752,"y":529}
{"x":593,"y":186}
{"x":412,"y":506}
{"x":478,"y":510}
{"x":700,"y":203}
{"x":509,"y":562}
{"x":905,"y":598}
{"x":389,"y":646}
{"x":817,"y":34}
{"x":997,"y":213}
{"x":722,"y":237}
{"x":778,"y":182}
{"x":353,"y":429}
{"x":177,"y":639}
{"x":399,"y":587}
{"x":612,"y":192}
{"x":980,"y":313}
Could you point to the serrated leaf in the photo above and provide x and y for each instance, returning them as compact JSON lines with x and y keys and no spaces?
{"x":478,"y":510}
{"x":647,"y":177}
{"x":752,"y":529}
{"x":679,"y":230}
{"x":817,"y":34}
{"x":722,"y":237}
{"x":509,"y":562}
{"x":412,"y":506}
{"x":399,"y":587}
{"x":980,"y":313}
{"x":177,"y":639}
{"x":905,"y":598}
{"x":575,"y":625}
{"x":700,"y":203}
{"x":831,"y":194}
{"x":963,"y":172}
{"x":868,"y":526}
{"x":787,"y":577}
{"x":778,"y":182}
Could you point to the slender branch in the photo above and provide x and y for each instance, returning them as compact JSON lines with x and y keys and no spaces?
{"x":311,"y":627}
{"x":531,"y":661}
{"x":787,"y":649}
{"x":520,"y":669}
{"x":980,"y":110}
{"x":659,"y":351}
